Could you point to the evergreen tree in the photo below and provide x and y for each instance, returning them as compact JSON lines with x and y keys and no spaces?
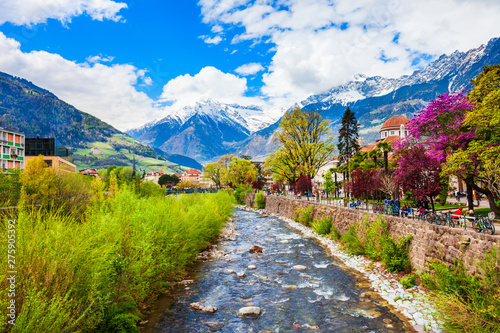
{"x":348,"y":137}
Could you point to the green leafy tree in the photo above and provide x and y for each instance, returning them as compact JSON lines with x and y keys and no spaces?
{"x":240,"y":171}
{"x":329,"y":185}
{"x":304,"y":145}
{"x":215,"y":172}
{"x":348,"y":137}
{"x":386,"y":148}
{"x":168,"y":180}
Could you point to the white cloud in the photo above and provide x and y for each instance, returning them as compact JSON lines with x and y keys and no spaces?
{"x":107,"y":92}
{"x":313,"y":53}
{"x":212,"y":40}
{"x":31,"y":12}
{"x":208,"y":83}
{"x":99,"y":58}
{"x":249,"y":69}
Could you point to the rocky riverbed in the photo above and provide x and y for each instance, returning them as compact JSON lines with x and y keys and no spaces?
{"x":411,"y":302}
{"x":287,"y":283}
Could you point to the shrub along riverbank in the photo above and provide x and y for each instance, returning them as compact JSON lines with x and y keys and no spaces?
{"x":97,"y":273}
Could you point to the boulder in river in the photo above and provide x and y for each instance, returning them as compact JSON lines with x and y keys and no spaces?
{"x":252,"y":267}
{"x":256,"y":249}
{"x":299,"y":267}
{"x":207,"y":309}
{"x":249,"y":310}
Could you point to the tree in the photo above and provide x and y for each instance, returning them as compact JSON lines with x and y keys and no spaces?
{"x":440,"y":128}
{"x":303,"y":138}
{"x":418,"y":171}
{"x":214,"y":171}
{"x":388,"y":186}
{"x":240,"y":171}
{"x":168,"y":180}
{"x":374,"y":154}
{"x":348,"y":137}
{"x":329,"y":185}
{"x":225,"y":160}
{"x":246,"y":157}
{"x":303,"y":184}
{"x":364,"y":182}
{"x":386,"y":148}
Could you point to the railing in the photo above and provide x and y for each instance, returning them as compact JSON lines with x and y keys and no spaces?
{"x":476,"y":223}
{"x":189,"y":191}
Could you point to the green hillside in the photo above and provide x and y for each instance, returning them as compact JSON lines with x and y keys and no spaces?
{"x":33,"y":111}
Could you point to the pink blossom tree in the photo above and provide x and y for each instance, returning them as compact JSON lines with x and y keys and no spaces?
{"x":418,"y":171}
{"x":439,"y":128}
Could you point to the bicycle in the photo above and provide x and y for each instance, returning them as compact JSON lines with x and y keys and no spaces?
{"x":483,"y":224}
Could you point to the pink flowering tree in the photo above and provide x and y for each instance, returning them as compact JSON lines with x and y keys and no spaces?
{"x":417,"y":170}
{"x":439,"y":128}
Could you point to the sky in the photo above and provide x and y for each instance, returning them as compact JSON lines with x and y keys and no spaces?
{"x":131,"y":62}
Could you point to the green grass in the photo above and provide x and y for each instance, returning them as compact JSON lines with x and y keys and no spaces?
{"x":97,"y":274}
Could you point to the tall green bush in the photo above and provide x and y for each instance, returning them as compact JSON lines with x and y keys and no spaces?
{"x":304,"y":216}
{"x":241,"y":191}
{"x":322,"y":226}
{"x":96,"y":274}
{"x":260,"y":200}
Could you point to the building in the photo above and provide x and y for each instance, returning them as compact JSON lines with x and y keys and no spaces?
{"x":205,"y":182}
{"x":392,"y":129}
{"x":89,"y":172}
{"x":191,"y":175}
{"x":40,"y":146}
{"x":13,"y":149}
{"x":153,"y":176}
{"x":56,"y":162}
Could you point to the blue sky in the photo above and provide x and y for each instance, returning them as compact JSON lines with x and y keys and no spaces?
{"x":130,"y":62}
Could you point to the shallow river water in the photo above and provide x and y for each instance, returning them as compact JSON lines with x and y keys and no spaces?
{"x":326,"y":297}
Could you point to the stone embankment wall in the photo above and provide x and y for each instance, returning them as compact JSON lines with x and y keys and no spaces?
{"x":429,"y":240}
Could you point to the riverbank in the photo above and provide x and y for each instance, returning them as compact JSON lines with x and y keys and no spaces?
{"x":411,"y":303}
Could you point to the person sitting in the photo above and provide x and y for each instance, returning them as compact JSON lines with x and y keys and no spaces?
{"x":457,"y":213}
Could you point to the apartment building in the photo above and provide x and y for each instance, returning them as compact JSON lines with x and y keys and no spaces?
{"x":12,"y":149}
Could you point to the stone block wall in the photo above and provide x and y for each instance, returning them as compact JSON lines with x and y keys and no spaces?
{"x":429,"y":240}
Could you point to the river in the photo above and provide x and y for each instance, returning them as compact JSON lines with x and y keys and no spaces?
{"x":325,"y":297}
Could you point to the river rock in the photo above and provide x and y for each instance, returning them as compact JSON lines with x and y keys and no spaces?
{"x":299,"y":267}
{"x":290,"y":287}
{"x":249,"y":310}
{"x":252,"y":267}
{"x":207,"y":309}
{"x":241,"y":274}
{"x":228,"y":271}
{"x":256,"y":249}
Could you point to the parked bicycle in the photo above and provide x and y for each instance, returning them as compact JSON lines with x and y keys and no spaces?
{"x":483,"y":224}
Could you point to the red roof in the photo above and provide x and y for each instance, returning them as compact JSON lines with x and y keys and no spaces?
{"x":192,"y":172}
{"x":394,"y":122}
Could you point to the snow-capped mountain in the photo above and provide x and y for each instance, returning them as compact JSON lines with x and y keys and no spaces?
{"x":375,"y":99}
{"x":210,"y":129}
{"x":205,"y":129}
{"x":453,"y":67}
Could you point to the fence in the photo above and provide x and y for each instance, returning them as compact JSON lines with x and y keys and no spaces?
{"x":476,"y":223}
{"x":189,"y":191}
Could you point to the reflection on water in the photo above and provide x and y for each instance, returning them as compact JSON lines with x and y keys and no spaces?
{"x":323,"y":298}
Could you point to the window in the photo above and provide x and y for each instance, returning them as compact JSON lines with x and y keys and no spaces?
{"x":392,"y":132}
{"x":399,"y":133}
{"x":6,"y":150}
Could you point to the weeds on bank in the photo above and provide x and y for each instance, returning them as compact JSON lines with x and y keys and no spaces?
{"x":96,"y":274}
{"x":260,"y":200}
{"x":466,"y":303}
{"x":372,"y":239}
{"x":304,"y":216}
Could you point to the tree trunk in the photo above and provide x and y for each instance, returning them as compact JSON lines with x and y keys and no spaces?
{"x":432,"y":204}
{"x":491,"y":198}
{"x":470,"y":197}
{"x":335,"y":185}
{"x":386,"y":162}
